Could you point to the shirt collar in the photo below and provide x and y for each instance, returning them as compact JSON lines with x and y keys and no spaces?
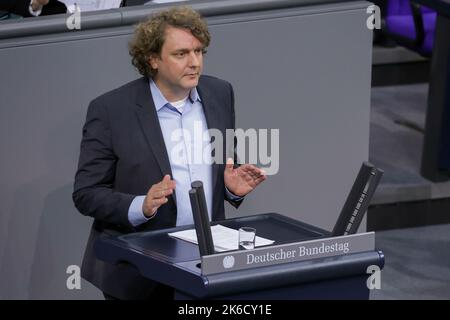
{"x":160,"y":101}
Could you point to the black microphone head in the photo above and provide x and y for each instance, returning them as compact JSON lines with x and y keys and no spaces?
{"x":197,"y":184}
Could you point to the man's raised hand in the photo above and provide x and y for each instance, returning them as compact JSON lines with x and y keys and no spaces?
{"x":38,"y":4}
{"x":157,"y":195}
{"x":244,"y":179}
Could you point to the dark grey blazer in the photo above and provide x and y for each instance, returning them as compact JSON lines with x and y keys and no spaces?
{"x":122,"y":155}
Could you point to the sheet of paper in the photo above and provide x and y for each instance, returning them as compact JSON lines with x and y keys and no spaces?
{"x":91,"y":5}
{"x":224,"y":238}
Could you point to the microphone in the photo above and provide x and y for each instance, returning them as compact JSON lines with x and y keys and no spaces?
{"x":201,"y":219}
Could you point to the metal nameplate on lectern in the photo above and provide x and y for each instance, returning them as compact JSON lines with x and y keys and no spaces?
{"x":286,"y":253}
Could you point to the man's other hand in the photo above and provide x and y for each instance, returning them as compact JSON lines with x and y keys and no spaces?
{"x":242,"y":180}
{"x":157,"y":195}
{"x":38,"y":4}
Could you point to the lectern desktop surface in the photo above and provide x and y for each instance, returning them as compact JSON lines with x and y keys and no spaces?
{"x":271,"y":226}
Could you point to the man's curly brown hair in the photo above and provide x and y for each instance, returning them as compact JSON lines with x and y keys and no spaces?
{"x":149,"y":35}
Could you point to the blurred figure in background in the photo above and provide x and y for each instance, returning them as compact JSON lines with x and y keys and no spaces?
{"x":32,"y":8}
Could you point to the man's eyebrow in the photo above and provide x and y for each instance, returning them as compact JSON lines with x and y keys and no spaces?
{"x":187,"y":50}
{"x":177,"y":51}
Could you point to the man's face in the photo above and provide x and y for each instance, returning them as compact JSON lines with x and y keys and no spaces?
{"x":180,"y":63}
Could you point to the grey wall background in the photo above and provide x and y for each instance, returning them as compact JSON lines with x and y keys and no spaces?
{"x":305,"y":71}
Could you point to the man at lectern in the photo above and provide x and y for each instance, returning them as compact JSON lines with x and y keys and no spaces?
{"x":137,"y":156}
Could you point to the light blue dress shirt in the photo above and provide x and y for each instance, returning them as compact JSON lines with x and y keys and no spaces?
{"x":183,"y":133}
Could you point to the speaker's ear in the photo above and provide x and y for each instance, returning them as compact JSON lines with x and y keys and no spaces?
{"x":153,"y":61}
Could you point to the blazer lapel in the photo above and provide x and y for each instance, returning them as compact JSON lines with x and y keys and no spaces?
{"x":211,"y":110}
{"x":149,"y":122}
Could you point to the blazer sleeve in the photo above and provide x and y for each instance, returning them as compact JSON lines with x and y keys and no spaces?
{"x":235,"y":203}
{"x":94,"y":193}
